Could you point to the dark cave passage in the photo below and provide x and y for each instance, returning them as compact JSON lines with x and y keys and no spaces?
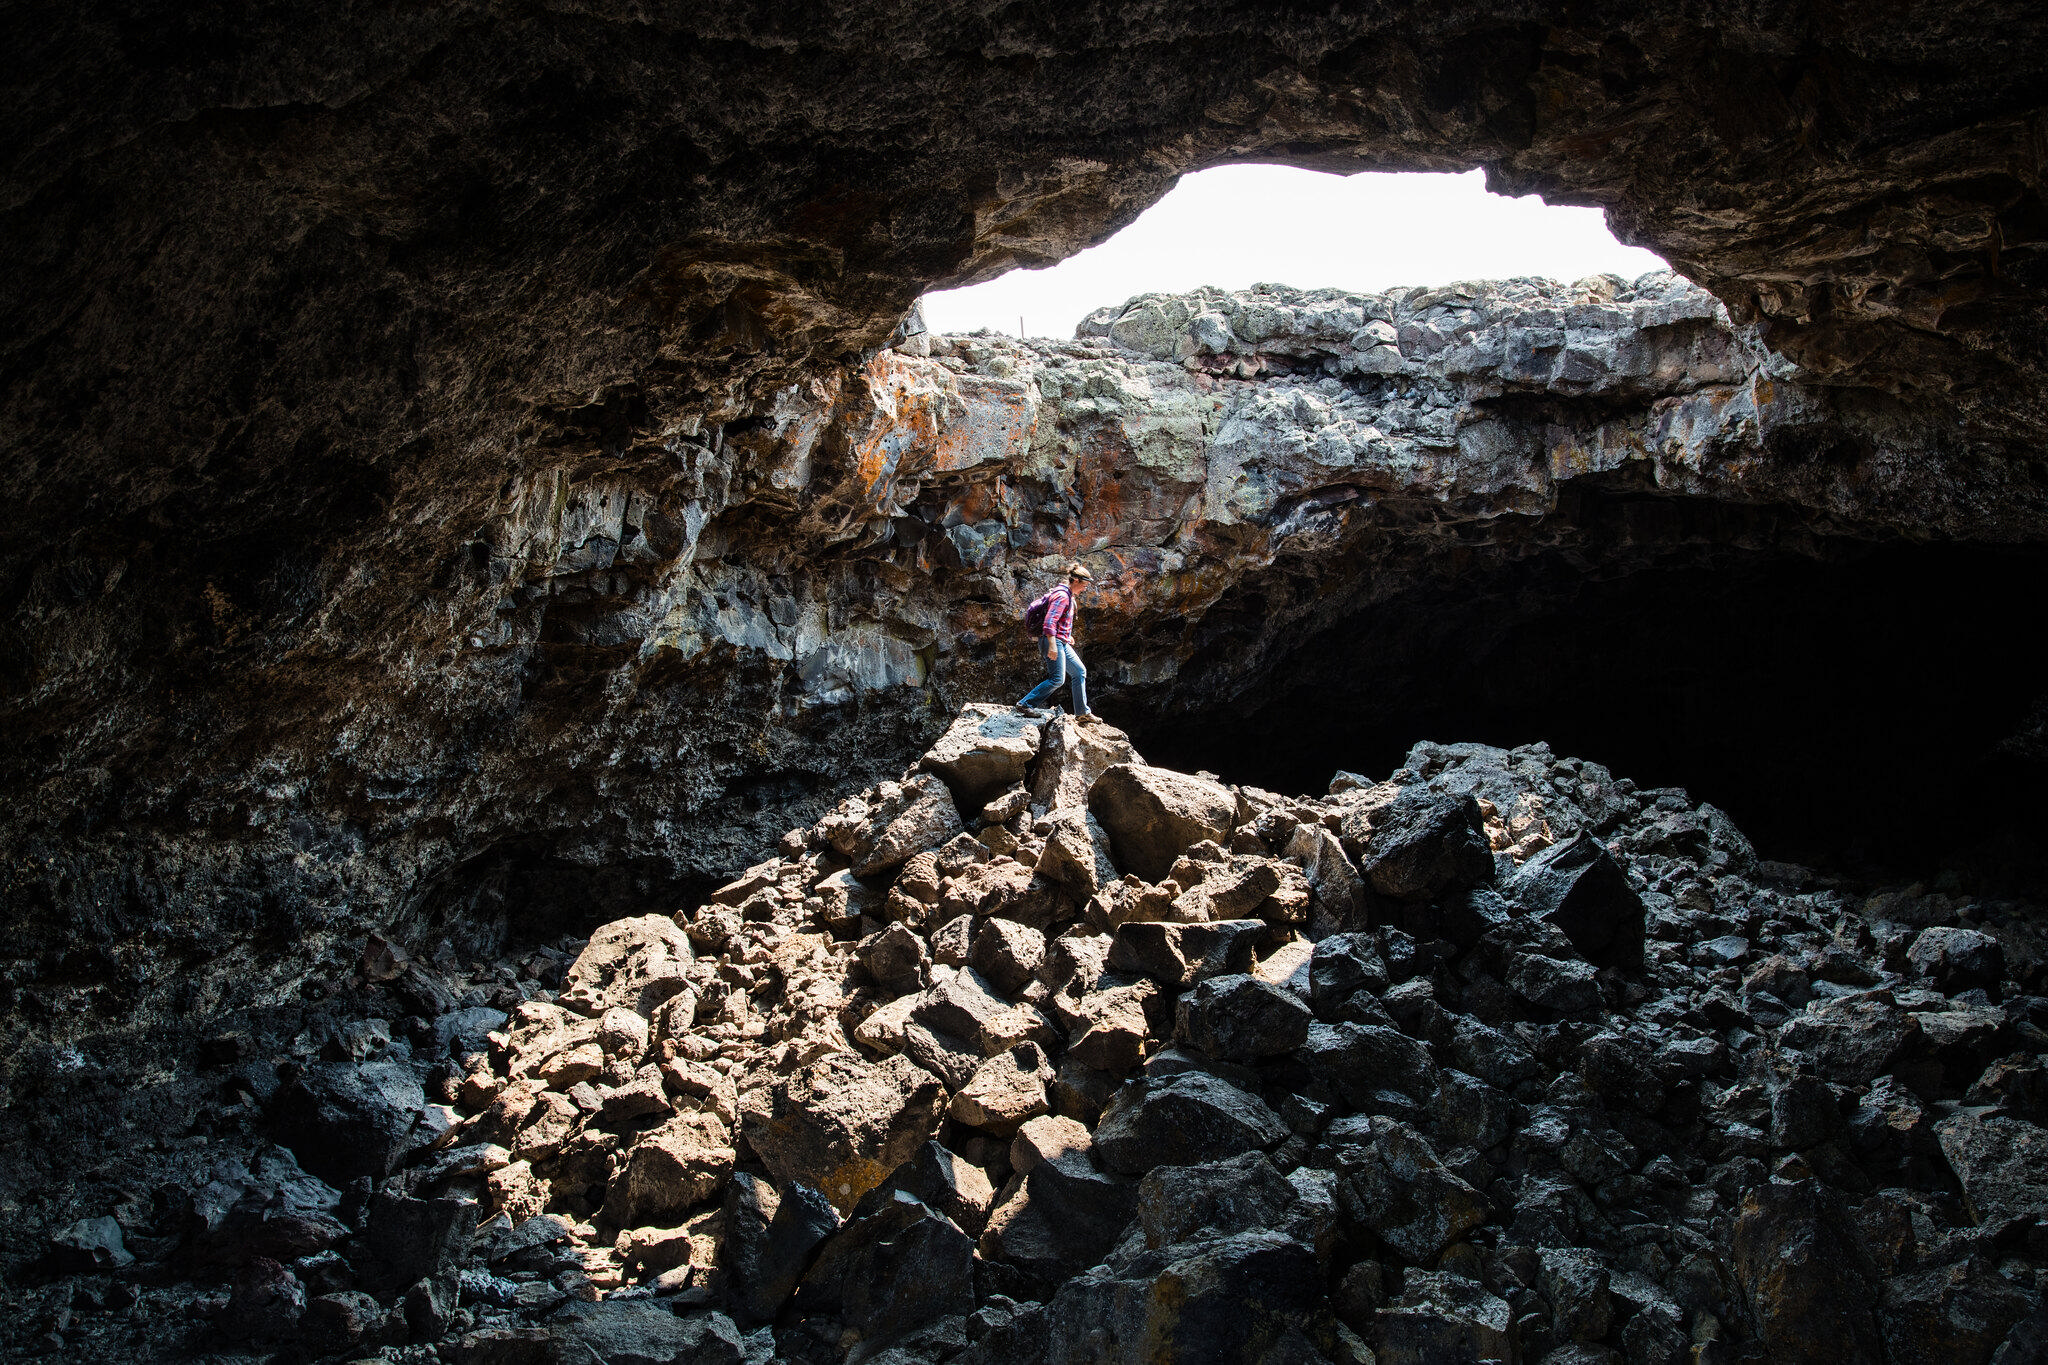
{"x":1873,"y":711}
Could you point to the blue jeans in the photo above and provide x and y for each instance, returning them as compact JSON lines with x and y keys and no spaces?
{"x":1063,"y":664}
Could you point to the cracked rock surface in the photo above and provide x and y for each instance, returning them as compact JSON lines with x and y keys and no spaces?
{"x":1586,"y":1081}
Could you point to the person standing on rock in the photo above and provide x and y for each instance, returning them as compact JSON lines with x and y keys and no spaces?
{"x":1062,"y":664}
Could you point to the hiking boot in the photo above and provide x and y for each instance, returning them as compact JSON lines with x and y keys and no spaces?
{"x":1090,"y":718}
{"x":1032,"y":711}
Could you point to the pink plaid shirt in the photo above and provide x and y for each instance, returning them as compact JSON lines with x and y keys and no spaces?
{"x":1059,"y":614}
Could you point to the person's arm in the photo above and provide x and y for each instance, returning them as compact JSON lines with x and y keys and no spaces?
{"x":1052,"y":623}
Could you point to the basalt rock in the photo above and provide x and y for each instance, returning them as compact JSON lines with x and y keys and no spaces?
{"x":1266,"y":1147}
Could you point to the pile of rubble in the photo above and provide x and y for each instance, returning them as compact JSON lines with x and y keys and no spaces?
{"x":1042,"y":1054}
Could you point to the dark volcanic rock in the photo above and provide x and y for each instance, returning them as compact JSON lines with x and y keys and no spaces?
{"x":1578,"y":887}
{"x":1187,"y":1119}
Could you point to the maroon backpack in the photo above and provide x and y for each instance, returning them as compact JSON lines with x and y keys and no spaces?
{"x":1034,"y":615}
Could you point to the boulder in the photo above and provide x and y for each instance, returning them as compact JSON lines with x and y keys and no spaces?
{"x":1152,"y":815}
{"x":1578,"y":886}
{"x":1805,"y":1275}
{"x":902,"y":819}
{"x":2001,"y":1163}
{"x":841,"y":1124}
{"x":1044,"y":1138}
{"x":1240,"y":1018}
{"x":638,"y":1332}
{"x":943,"y":1180}
{"x":1004,"y":1091}
{"x":1360,"y":1060}
{"x":1963,"y":1310}
{"x":960,"y":1006}
{"x":1341,"y":967}
{"x":632,"y":964}
{"x":984,"y":750}
{"x":1565,"y":985}
{"x":1336,"y":891}
{"x":895,"y":958}
{"x":1182,"y":1121}
{"x":670,"y":1170}
{"x":768,"y":1244}
{"x":1178,"y":955}
{"x":1956,"y":959}
{"x":1399,"y":1188}
{"x":1221,"y":1198}
{"x":1425,"y":843}
{"x":89,"y":1246}
{"x":344,"y":1121}
{"x":889,"y":1272}
{"x":1077,"y":854}
{"x":1442,"y":1317}
{"x":1254,"y":1297}
{"x":1062,"y":1217}
{"x":405,"y":1240}
{"x":1071,"y":757}
{"x":1007,"y":953}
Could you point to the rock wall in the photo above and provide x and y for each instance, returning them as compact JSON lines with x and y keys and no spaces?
{"x":634,"y":670}
{"x":1045,"y":1054}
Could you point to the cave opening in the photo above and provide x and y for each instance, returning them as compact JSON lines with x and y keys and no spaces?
{"x":1873,"y":711}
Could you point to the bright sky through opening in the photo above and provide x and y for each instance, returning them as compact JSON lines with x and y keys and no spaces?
{"x":1236,"y":226}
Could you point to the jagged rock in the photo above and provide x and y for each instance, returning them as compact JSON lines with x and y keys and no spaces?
{"x":671,"y":1170}
{"x":841,"y":1124}
{"x":895,"y":957}
{"x":1080,"y":1091}
{"x":944,"y":1181}
{"x":1362,"y":1060}
{"x":640,"y":1333}
{"x":1956,"y":960}
{"x":1576,"y":1285}
{"x":1338,"y":891}
{"x":1044,"y":1138}
{"x":953,"y":1060}
{"x":1178,"y":955}
{"x":1007,"y":889}
{"x":1243,"y":1193}
{"x":1253,"y":1297}
{"x":890,"y":1272}
{"x":960,"y":1006}
{"x":1241,"y":1018}
{"x":1077,"y":854}
{"x":905,"y":818}
{"x":265,"y":1303}
{"x":405,"y":1240}
{"x":984,"y":750}
{"x":338,"y":1322}
{"x":1153,"y":815}
{"x":768,"y":1243}
{"x":1565,"y":985}
{"x":1062,"y":1217}
{"x":1424,"y":843}
{"x":1183,"y":1121}
{"x":1578,"y":886}
{"x":89,"y":1245}
{"x":1342,"y":966}
{"x":1961,"y":1311}
{"x":1007,"y":953}
{"x":1441,"y":1317}
{"x":1071,"y":757}
{"x":1399,"y":1188}
{"x":1004,"y":1091}
{"x":1805,"y":1275}
{"x":1470,"y":1113}
{"x":344,"y":1121}
{"x":632,"y":964}
{"x":2001,"y":1163}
